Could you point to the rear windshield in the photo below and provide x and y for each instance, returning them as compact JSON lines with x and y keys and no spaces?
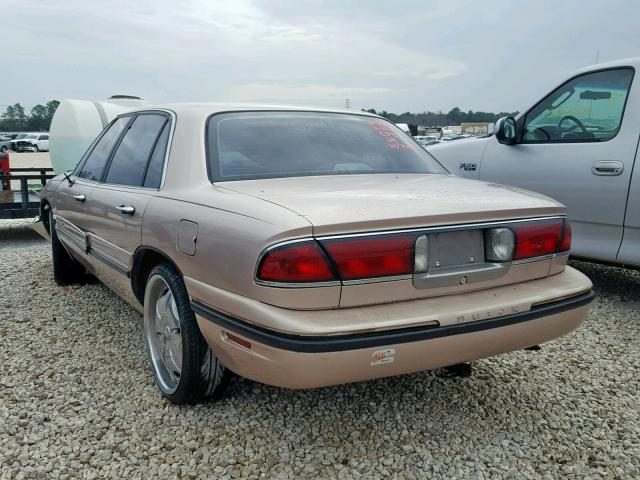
{"x":250,"y":145}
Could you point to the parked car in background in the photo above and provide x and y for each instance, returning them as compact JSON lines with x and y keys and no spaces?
{"x":14,"y":140}
{"x":450,"y":138}
{"x":18,"y":137}
{"x":41,"y":143}
{"x":579,"y":145}
{"x":304,"y":248}
{"x":31,"y":142}
{"x":426,"y":140}
{"x":5,"y":144}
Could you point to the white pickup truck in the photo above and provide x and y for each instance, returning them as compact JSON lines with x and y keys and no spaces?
{"x":579,"y":145}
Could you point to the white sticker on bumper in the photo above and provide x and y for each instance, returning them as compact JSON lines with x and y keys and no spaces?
{"x":382,"y":357}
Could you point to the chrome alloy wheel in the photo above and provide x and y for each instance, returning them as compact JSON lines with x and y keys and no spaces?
{"x":164,"y":338}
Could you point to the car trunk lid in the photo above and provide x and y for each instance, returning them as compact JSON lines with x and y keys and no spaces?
{"x":340,"y":204}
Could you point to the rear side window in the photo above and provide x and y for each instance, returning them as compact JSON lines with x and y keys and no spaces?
{"x":94,"y":165}
{"x":249,"y":145}
{"x":156,"y":163}
{"x":130,"y":159}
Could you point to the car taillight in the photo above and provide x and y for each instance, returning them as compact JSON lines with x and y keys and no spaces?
{"x":295,"y":263}
{"x":389,"y":255}
{"x":536,"y":239}
{"x":384,"y":256}
{"x":565,"y":245}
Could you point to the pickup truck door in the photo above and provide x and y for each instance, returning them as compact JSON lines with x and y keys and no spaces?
{"x":578,"y":146}
{"x":630,"y":249}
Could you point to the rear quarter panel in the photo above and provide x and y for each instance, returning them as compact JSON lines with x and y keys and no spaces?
{"x":233,"y":230}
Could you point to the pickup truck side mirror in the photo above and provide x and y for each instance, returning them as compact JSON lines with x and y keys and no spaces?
{"x":506,"y":131}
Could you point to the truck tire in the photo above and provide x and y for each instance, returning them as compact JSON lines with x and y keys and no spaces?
{"x":65,"y":269}
{"x":186,"y":370}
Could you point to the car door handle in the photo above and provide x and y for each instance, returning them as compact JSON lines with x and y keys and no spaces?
{"x":81,"y":197}
{"x":126,"y":209}
{"x":607,"y":167}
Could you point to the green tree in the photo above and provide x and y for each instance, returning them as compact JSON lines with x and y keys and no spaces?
{"x":455,"y":116}
{"x":15,"y":119}
{"x":51,"y":106}
{"x":38,"y":118}
{"x":439,"y":119}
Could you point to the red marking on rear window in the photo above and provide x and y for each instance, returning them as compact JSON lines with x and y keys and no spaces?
{"x":391,"y":137}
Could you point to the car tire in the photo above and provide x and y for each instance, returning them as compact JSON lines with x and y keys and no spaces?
{"x":37,"y":148}
{"x":3,"y":149}
{"x":185,"y":368}
{"x":66,"y":270}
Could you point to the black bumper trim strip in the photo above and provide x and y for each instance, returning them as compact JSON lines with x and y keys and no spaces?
{"x":338,"y":343}
{"x":107,"y":260}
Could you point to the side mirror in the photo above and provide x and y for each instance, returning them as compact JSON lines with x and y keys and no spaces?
{"x":506,"y":131}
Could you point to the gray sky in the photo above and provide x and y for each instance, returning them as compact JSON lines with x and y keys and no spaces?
{"x":392,"y":55}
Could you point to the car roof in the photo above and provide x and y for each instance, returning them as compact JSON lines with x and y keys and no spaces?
{"x":207,"y":109}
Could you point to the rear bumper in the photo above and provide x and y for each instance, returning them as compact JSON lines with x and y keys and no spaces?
{"x":307,"y":361}
{"x":339,"y":343}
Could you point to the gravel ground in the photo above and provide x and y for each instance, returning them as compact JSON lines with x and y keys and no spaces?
{"x":77,"y":400}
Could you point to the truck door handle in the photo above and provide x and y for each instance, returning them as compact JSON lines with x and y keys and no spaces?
{"x":81,"y":197}
{"x":607,"y":167}
{"x":126,"y":209}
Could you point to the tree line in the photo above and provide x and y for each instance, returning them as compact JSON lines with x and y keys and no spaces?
{"x":39,"y":119}
{"x":15,"y":119}
{"x":455,"y":116}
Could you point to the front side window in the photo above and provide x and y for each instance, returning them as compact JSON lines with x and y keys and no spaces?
{"x":93,"y":167}
{"x":250,"y":145}
{"x":130,"y":159}
{"x":588,"y":108}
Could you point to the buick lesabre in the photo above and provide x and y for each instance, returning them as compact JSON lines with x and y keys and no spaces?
{"x":304,"y":248}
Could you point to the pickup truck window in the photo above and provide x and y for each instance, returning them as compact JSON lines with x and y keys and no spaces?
{"x":587,"y":108}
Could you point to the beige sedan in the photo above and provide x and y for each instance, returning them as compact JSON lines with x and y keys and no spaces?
{"x":304,"y":248}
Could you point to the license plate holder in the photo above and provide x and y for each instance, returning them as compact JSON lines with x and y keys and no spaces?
{"x":452,"y":249}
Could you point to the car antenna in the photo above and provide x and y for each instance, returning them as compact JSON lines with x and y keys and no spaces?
{"x":67,"y":176}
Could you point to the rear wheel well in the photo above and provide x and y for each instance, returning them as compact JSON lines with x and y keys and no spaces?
{"x":145,"y":259}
